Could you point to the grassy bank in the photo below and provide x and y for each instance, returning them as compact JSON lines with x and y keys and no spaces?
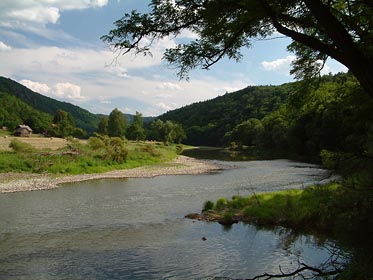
{"x":333,"y":210}
{"x":81,"y":157}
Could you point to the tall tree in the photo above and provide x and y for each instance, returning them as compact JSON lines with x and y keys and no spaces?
{"x":117,"y":124}
{"x":341,"y":29}
{"x":103,"y":126}
{"x":136,"y":130}
{"x":64,"y":123}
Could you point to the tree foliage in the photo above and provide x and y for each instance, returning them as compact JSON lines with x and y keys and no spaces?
{"x":103,"y":125}
{"x":167,"y":132}
{"x":206,"y":123}
{"x":136,"y":129}
{"x":341,"y":29}
{"x":14,"y":112}
{"x":46,"y":105}
{"x":117,"y":124}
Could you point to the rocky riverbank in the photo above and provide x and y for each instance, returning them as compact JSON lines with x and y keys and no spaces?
{"x":17,"y":182}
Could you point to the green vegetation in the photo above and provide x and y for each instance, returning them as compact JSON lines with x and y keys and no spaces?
{"x":117,"y":124}
{"x":167,"y":132}
{"x":14,"y":112}
{"x":206,"y":123}
{"x":136,"y":130}
{"x":100,"y":154}
{"x":336,"y":210}
{"x":83,"y":119}
{"x":293,"y":120}
{"x":342,"y":30}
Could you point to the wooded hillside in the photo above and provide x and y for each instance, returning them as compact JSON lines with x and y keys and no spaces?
{"x":83,"y":118}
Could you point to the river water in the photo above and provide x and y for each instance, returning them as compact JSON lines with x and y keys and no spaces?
{"x":135,"y":228}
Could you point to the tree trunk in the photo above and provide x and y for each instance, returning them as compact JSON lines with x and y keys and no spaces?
{"x":349,"y":54}
{"x":361,"y":67}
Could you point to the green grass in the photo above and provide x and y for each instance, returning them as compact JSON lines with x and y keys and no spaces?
{"x":321,"y":208}
{"x":81,"y":158}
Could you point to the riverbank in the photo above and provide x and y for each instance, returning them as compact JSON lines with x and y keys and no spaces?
{"x":182,"y":165}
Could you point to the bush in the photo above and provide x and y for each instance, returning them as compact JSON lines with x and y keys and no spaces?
{"x":96,"y":143}
{"x":117,"y":150}
{"x":221,"y":203}
{"x":21,"y":147}
{"x":209,"y":205}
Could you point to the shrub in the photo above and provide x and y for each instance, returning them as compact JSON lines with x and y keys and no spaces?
{"x":117,"y":150}
{"x":96,"y":143}
{"x":209,"y":205}
{"x":221,"y":203}
{"x":19,"y":146}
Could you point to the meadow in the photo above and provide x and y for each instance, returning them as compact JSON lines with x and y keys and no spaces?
{"x":72,"y":156}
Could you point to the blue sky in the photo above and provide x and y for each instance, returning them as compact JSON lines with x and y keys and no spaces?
{"x":54,"y":48}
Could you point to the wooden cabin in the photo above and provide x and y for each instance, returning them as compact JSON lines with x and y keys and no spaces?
{"x":23,"y":131}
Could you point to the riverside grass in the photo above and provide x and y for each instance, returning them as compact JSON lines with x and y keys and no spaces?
{"x":304,"y":209}
{"x":81,"y":158}
{"x":334,"y":211}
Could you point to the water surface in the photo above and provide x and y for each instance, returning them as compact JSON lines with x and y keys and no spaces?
{"x":134,"y":228}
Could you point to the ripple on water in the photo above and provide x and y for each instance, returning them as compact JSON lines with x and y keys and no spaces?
{"x":133,"y":229}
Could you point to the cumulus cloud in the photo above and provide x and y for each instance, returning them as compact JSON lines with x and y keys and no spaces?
{"x":4,"y":47}
{"x":20,"y":13}
{"x":68,"y":91}
{"x":35,"y":86}
{"x":169,"y":86}
{"x":35,"y":14}
{"x":64,"y":91}
{"x":278,"y":65}
{"x":163,"y":106}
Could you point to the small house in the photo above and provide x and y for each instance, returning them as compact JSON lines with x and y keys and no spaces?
{"x":23,"y":131}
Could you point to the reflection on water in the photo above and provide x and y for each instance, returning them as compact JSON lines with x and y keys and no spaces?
{"x":134,"y":229}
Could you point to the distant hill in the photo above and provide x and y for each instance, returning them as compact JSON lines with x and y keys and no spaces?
{"x":13,"y":112}
{"x":206,"y":123}
{"x":83,"y":118}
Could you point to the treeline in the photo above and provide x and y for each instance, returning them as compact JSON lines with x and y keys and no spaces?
{"x":335,"y":116}
{"x":207,"y":122}
{"x":294,"y":119}
{"x":116,"y":125}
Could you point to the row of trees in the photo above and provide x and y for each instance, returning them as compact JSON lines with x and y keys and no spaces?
{"x":335,"y":117}
{"x":116,"y":125}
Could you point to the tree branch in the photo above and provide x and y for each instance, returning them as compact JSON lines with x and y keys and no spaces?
{"x":304,"y":39}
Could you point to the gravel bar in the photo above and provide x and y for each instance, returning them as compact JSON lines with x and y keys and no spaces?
{"x":19,"y":182}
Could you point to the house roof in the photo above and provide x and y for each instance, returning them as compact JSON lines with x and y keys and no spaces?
{"x":25,"y":126}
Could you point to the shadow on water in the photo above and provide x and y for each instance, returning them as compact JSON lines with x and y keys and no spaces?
{"x":134,"y":229}
{"x":213,"y":153}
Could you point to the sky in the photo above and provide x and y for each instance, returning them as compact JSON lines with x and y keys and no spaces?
{"x":53,"y":47}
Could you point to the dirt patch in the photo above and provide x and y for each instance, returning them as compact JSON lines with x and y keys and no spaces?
{"x":37,"y":142}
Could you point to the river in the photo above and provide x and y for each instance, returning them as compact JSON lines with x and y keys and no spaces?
{"x":135,"y":228}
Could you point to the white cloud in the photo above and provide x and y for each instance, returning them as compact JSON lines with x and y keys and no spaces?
{"x":278,"y":65}
{"x":41,"y":15}
{"x":67,"y":91}
{"x":4,"y":47}
{"x":163,"y":106}
{"x":62,"y":91}
{"x":81,"y":75}
{"x":169,"y":86}
{"x":64,"y":62}
{"x":20,"y":14}
{"x":37,"y":87}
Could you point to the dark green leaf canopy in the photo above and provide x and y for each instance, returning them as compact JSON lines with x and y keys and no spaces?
{"x":319,"y":29}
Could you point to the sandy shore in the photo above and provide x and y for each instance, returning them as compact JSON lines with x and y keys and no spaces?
{"x":18,"y":182}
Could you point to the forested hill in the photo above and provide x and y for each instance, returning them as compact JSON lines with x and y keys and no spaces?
{"x":206,"y":123}
{"x":83,"y":118}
